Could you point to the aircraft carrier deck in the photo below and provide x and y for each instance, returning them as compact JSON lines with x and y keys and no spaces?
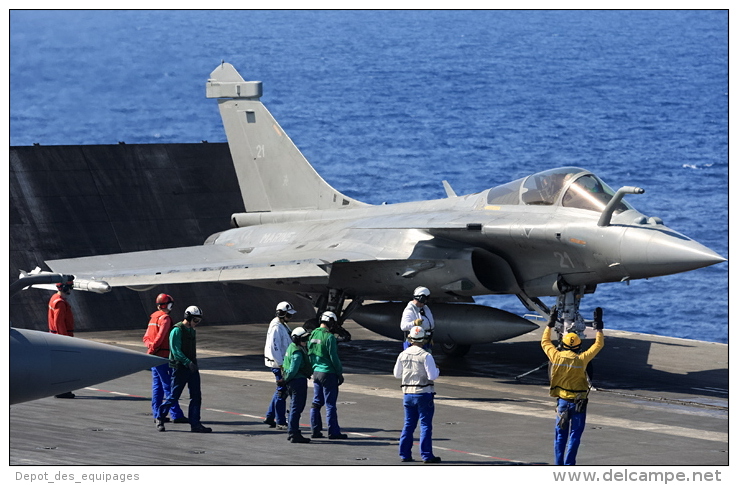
{"x":659,"y":401}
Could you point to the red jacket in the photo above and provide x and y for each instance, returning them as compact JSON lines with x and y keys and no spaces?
{"x":156,"y":337}
{"x":61,"y":320}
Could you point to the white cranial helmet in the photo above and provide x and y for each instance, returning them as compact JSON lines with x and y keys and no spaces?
{"x":285,"y":308}
{"x":421,"y":294}
{"x":191,"y":312}
{"x":417,"y":334}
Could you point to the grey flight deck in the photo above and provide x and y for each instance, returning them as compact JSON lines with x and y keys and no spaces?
{"x":661,"y":401}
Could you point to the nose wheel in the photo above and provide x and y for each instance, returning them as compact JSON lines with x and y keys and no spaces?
{"x":570,"y":319}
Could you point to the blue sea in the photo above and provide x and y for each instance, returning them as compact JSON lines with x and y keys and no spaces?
{"x":387,"y":104}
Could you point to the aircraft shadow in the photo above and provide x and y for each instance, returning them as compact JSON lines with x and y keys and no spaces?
{"x":111,"y":398}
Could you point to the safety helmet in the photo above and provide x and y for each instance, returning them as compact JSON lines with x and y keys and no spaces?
{"x":328,"y":318}
{"x":571,"y":341}
{"x":192,"y":312}
{"x":285,"y":308}
{"x":417,"y":334}
{"x":300,"y":335}
{"x":421,"y":294}
{"x":164,"y":300}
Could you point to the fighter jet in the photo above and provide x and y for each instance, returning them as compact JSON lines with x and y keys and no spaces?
{"x":557,"y":233}
{"x":44,"y":364}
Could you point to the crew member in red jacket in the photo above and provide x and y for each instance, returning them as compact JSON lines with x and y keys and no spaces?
{"x":157,"y":342}
{"x":61,"y":319}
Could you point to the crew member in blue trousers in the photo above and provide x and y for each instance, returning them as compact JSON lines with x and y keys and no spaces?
{"x":570,"y":385}
{"x":183,"y":359}
{"x":417,"y":369}
{"x":297,"y":371}
{"x":327,"y":376}
{"x":277,"y":341}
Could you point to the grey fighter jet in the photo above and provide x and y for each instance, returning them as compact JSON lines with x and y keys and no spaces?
{"x":557,"y":233}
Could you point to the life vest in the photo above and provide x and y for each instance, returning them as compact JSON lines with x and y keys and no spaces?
{"x":61,"y":320}
{"x":188,"y":344}
{"x":158,"y":343}
{"x":306,"y":370}
{"x":414,"y":377}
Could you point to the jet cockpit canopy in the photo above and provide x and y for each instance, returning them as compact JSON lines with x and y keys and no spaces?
{"x":568,"y":187}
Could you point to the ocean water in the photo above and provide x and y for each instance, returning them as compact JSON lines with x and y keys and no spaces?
{"x":387,"y":104}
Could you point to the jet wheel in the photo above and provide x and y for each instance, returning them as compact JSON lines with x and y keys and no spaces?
{"x":454,"y":350}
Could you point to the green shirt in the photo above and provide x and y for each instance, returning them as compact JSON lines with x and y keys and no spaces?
{"x":323,"y":352}
{"x":182,"y":343}
{"x":296,"y":363}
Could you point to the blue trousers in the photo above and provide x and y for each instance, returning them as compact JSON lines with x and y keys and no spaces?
{"x":161,"y":389}
{"x":298,"y":397}
{"x":182,"y":376}
{"x":568,"y":433}
{"x":325,"y":392}
{"x":278,"y":405}
{"x":418,"y":407}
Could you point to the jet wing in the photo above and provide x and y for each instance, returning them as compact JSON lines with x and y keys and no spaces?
{"x":195,"y":264}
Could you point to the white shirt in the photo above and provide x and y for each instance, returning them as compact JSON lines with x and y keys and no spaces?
{"x":277,"y":341}
{"x":412,"y":313}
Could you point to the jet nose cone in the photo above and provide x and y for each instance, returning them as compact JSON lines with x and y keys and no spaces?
{"x":651,"y":252}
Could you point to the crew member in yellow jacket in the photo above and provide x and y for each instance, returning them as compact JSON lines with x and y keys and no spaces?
{"x":570,"y":385}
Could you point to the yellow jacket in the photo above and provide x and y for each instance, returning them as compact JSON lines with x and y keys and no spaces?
{"x":568,"y":369}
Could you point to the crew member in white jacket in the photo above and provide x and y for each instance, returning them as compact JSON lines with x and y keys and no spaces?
{"x":417,"y":313}
{"x":417,"y":369}
{"x":277,"y":340}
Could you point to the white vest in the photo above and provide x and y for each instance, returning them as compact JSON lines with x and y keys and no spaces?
{"x":414,"y":377}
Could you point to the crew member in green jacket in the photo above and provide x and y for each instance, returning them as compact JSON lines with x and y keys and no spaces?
{"x":297,"y":370}
{"x":183,"y":361}
{"x":327,"y":376}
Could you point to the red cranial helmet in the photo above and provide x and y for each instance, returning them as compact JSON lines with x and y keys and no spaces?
{"x":164,"y":301}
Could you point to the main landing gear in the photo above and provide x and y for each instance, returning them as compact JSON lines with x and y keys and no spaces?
{"x":334,"y":302}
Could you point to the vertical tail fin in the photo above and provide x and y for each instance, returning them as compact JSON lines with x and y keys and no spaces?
{"x":272,"y":173}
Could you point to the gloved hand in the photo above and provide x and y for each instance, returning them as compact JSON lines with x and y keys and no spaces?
{"x":598,"y":324}
{"x":281,"y":382}
{"x":340,"y":379}
{"x":418,"y":322}
{"x":553,"y":317}
{"x":192,"y":366}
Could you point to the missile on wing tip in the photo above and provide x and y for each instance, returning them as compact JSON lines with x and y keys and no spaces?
{"x":91,"y":285}
{"x":462,"y":323}
{"x":44,"y":364}
{"x":45,"y":280}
